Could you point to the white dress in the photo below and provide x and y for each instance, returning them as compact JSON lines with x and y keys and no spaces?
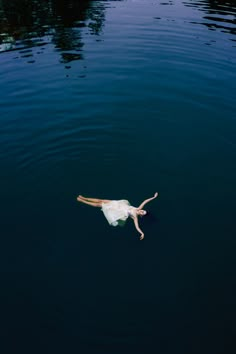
{"x":117,"y":211}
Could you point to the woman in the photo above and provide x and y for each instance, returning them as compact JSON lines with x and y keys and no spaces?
{"x":118,"y":211}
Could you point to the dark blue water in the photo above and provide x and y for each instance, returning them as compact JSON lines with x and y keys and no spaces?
{"x":118,"y":100}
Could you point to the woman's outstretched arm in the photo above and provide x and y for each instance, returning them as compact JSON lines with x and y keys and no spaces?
{"x":146,"y":201}
{"x":138,"y":228}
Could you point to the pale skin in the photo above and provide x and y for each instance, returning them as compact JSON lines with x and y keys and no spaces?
{"x":137,"y":211}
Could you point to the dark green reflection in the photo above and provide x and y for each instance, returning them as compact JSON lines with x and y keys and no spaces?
{"x":30,"y":23}
{"x":217,"y":14}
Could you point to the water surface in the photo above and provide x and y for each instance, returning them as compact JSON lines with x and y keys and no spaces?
{"x":118,"y":99}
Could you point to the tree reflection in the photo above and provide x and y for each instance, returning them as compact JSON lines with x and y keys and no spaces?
{"x":30,"y":23}
{"x":219,"y":14}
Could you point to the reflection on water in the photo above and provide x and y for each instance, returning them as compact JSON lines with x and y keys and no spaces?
{"x":34,"y":23}
{"x":218,"y":14}
{"x":28,"y":24}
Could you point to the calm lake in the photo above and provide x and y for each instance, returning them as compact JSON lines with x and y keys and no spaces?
{"x":118,"y":100}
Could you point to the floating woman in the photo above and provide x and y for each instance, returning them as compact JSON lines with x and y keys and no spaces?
{"x":117,"y":211}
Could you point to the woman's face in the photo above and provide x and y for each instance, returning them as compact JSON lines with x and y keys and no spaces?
{"x":141,"y":212}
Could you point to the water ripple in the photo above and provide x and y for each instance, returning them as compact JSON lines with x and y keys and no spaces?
{"x":147,"y":58}
{"x":219,"y":16}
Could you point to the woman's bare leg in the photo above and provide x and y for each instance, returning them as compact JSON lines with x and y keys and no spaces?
{"x":97,"y":204}
{"x":94,"y":200}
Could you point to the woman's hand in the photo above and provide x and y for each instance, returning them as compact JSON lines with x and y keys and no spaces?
{"x":138,"y":228}
{"x":147,"y":201}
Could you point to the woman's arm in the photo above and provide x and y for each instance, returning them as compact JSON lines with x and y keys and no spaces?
{"x":138,"y":228}
{"x":146,"y":201}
